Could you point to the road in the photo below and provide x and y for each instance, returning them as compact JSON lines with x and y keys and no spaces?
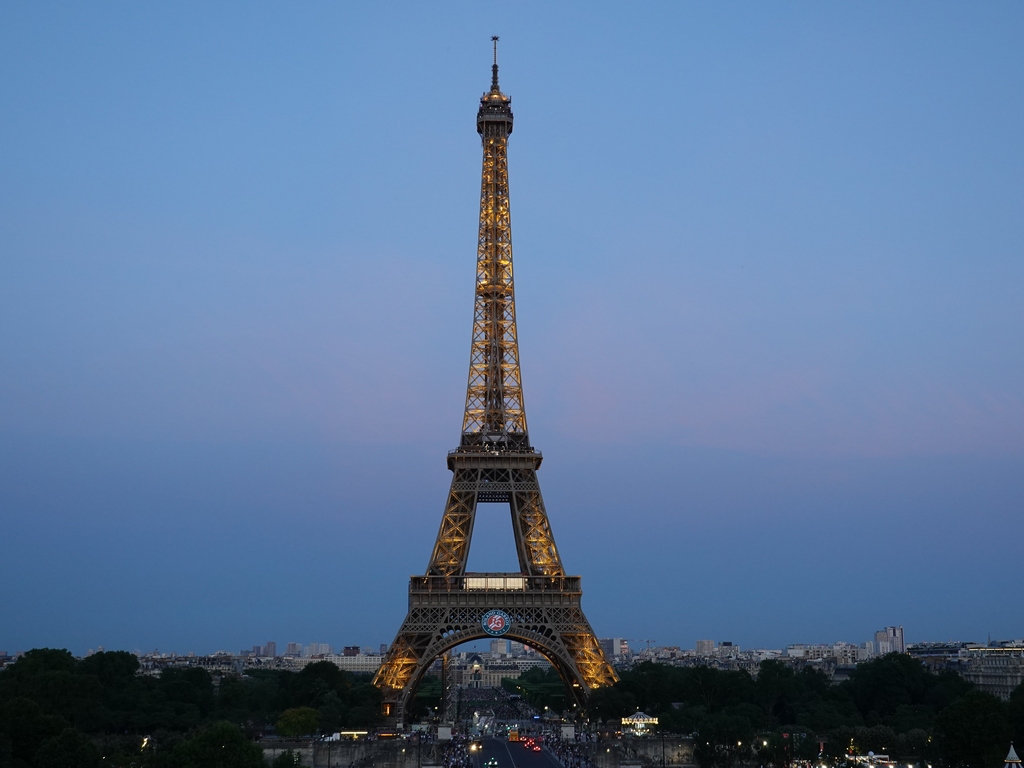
{"x":512,"y":755}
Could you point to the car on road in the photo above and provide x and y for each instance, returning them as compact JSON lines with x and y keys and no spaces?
{"x":492,"y":763}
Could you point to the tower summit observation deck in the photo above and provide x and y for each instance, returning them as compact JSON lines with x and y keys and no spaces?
{"x":494,"y":463}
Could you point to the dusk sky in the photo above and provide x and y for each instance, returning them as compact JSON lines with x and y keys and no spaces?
{"x":770,"y":283}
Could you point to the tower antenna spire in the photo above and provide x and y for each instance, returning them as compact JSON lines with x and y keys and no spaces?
{"x":494,"y":68}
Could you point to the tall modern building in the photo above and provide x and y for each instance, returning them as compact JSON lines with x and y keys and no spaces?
{"x":705,"y":647}
{"x":614,"y":646}
{"x":499,"y":647}
{"x":889,"y":640}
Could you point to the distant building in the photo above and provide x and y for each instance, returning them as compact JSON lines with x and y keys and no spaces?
{"x":726,"y":648}
{"x":499,"y":647}
{"x":359,"y":662}
{"x":614,"y":647}
{"x":532,"y":661}
{"x":994,"y":669}
{"x":350,"y":650}
{"x":270,"y":649}
{"x":669,"y":653}
{"x":705,"y":647}
{"x":939,"y":657}
{"x":802,"y":651}
{"x":475,"y":672}
{"x":889,"y":640}
{"x":847,"y":654}
{"x":843,"y":654}
{"x":293,"y":649}
{"x":383,"y":648}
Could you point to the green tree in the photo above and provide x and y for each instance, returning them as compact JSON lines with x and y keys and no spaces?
{"x":70,"y":749}
{"x":776,"y":691}
{"x":1015,"y":715}
{"x":682,"y":719}
{"x":316,"y":681}
{"x":222,"y":745}
{"x":120,"y":693}
{"x":973,"y":731}
{"x":723,"y":739}
{"x":364,"y":705}
{"x":882,"y":686}
{"x":715,"y":688}
{"x":180,"y":699}
{"x":612,"y":703}
{"x":298,"y":721}
{"x":6,"y":750}
{"x":286,"y":759}
{"x":428,"y":696}
{"x":257,"y":698}
{"x":49,"y":677}
{"x":27,"y":727}
{"x":113,"y":669}
{"x":541,"y":688}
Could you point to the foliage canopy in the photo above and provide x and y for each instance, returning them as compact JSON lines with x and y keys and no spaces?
{"x":56,"y":710}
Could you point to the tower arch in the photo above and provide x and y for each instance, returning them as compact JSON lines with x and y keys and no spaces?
{"x":574,"y":686}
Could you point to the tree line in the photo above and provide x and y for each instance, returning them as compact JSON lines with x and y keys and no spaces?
{"x":891,"y":705}
{"x":57,"y":712}
{"x":60,"y":712}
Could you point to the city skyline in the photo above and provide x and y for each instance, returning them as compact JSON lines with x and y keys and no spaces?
{"x":769,"y":284}
{"x":994,"y":667}
{"x":636,"y":646}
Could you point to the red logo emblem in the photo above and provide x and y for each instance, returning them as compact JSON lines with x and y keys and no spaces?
{"x":496,"y":623}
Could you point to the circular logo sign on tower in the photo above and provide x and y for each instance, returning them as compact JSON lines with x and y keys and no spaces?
{"x":496,"y":623}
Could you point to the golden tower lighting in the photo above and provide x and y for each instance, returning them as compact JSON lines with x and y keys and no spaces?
{"x":539,"y":605}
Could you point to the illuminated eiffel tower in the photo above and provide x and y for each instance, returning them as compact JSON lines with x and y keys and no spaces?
{"x":538,"y":606}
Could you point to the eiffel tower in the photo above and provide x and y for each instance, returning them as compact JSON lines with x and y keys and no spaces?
{"x":540,"y":605}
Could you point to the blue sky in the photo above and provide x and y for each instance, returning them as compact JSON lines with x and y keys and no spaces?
{"x":770,"y":276}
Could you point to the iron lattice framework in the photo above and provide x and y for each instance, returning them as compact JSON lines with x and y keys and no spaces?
{"x":494,"y":463}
